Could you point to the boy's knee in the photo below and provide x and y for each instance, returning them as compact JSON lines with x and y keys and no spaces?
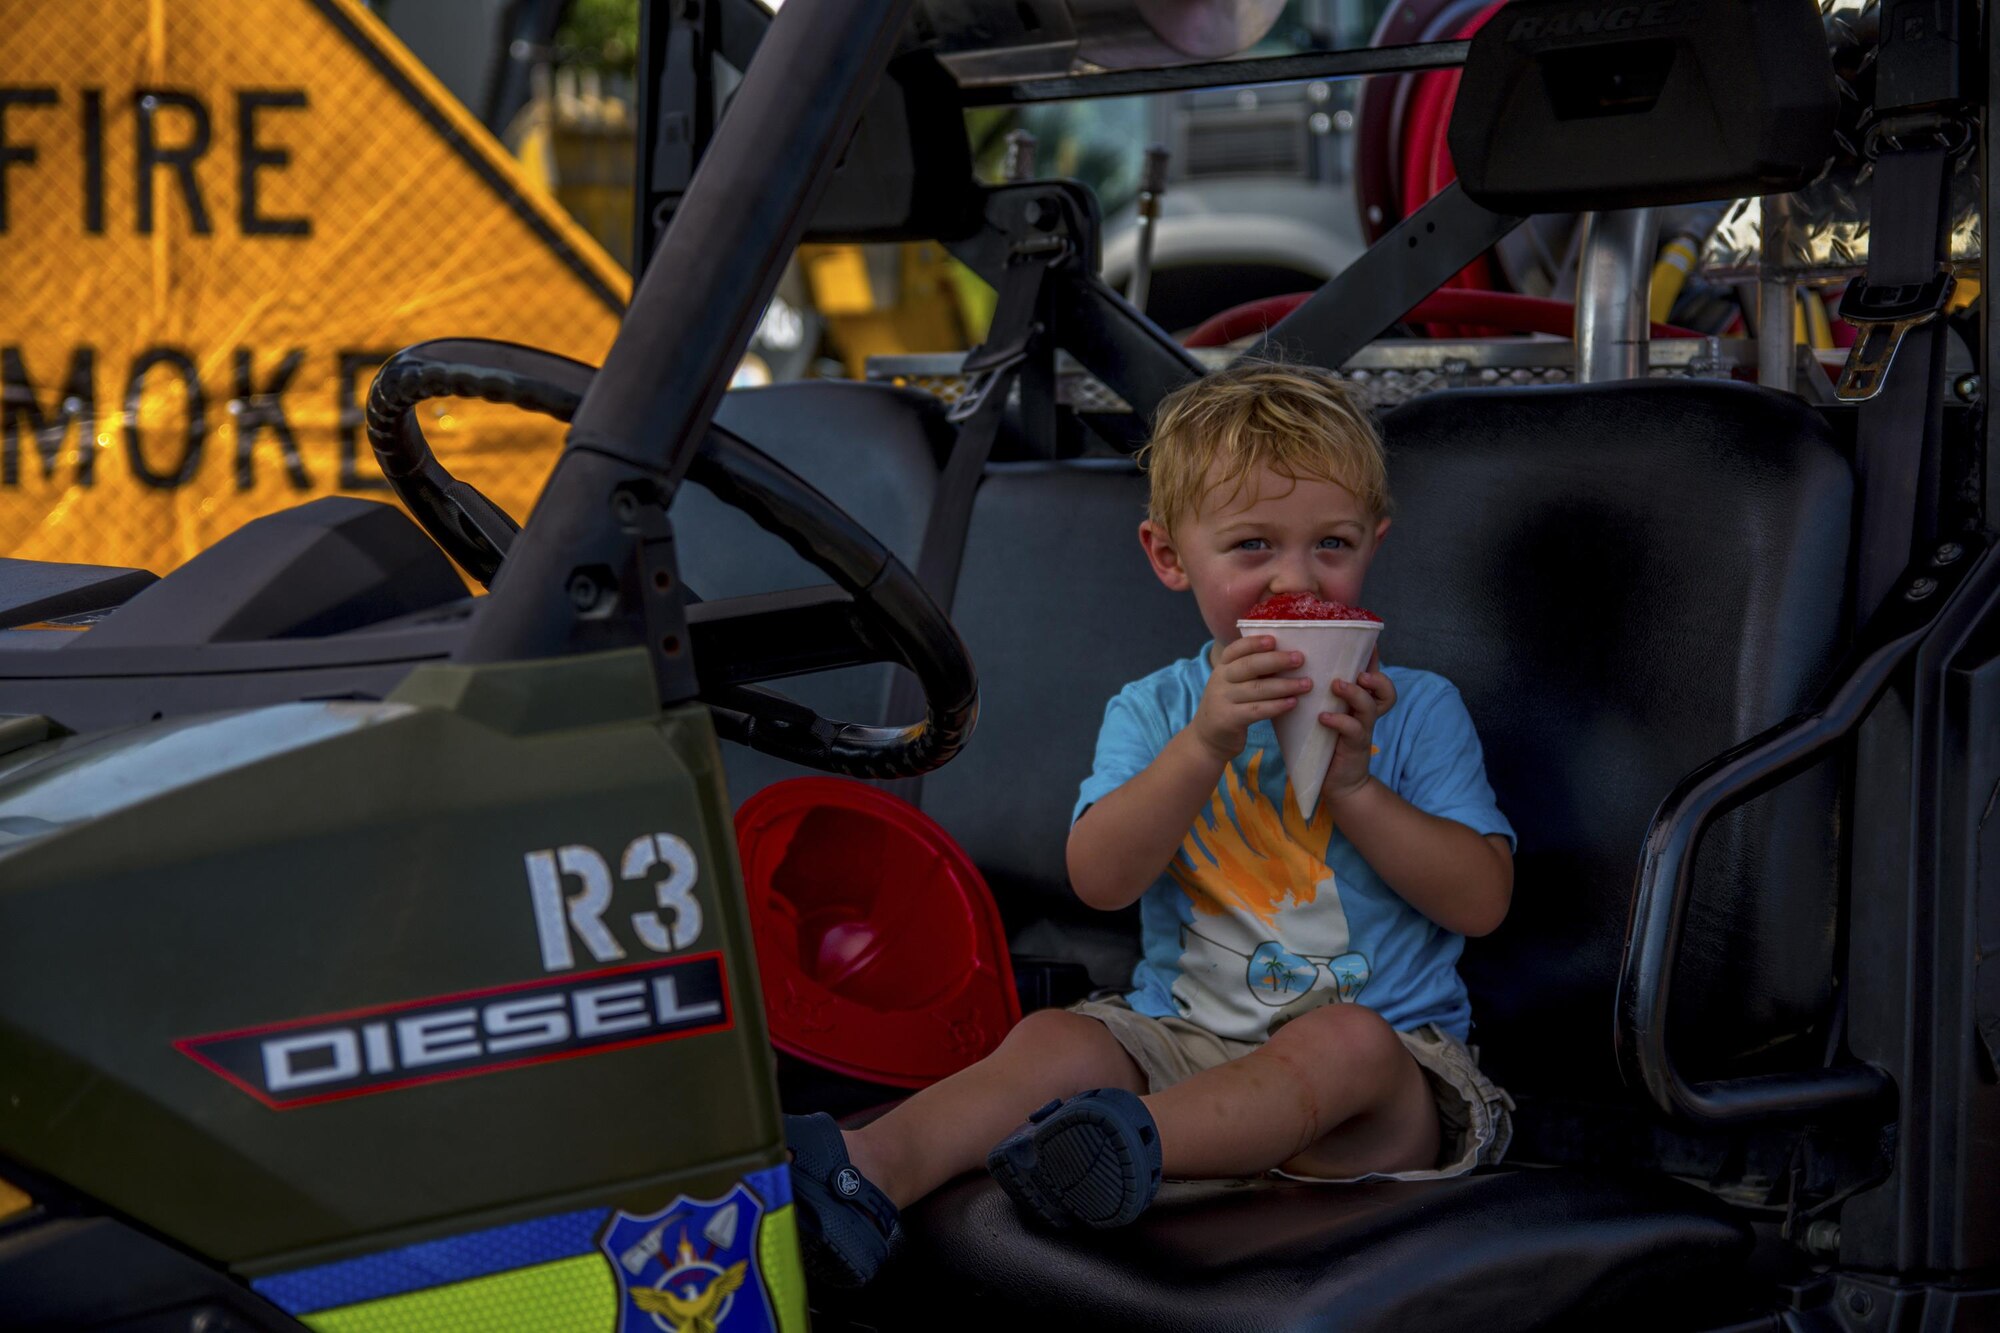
{"x":1077,"y":1047}
{"x":1052,"y":1031}
{"x":1366,"y":1044}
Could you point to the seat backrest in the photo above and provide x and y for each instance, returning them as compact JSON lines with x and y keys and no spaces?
{"x":1621,"y":580}
{"x":1059,"y":610}
{"x":873,"y":450}
{"x":1624,"y":581}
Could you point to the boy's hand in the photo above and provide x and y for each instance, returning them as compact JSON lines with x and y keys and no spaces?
{"x":1245,"y":687}
{"x":1367,"y":699}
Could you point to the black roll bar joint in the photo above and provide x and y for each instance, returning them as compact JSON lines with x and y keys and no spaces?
{"x":1134,"y":357}
{"x":1666,"y":872}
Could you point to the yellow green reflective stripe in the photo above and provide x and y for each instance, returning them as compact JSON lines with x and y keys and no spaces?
{"x":784,"y":1274}
{"x":570,"y":1294}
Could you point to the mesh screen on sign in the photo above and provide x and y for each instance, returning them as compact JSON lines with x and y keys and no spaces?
{"x":217,"y":218}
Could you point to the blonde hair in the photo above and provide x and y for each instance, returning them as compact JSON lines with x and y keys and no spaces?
{"x":1299,"y":421}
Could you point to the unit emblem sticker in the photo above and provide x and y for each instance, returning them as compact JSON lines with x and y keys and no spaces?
{"x":691,"y":1267}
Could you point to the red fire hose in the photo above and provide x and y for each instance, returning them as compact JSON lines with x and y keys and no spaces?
{"x":1491,"y":312}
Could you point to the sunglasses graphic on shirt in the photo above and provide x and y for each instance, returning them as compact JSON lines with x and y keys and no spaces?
{"x":1277,"y":976}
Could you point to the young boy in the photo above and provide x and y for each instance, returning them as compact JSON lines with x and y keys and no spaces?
{"x":1297,"y":1006}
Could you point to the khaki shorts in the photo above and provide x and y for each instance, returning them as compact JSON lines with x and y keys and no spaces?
{"x":1474,"y":1116}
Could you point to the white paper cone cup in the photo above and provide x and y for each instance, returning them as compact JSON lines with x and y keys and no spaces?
{"x":1334,"y":650}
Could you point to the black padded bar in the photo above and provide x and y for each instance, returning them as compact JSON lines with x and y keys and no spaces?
{"x":1418,"y":256}
{"x":1666,"y":879}
{"x":1224,"y":73}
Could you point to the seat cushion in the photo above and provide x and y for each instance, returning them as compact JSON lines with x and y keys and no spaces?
{"x":1497,"y":1251}
{"x":873,"y":450}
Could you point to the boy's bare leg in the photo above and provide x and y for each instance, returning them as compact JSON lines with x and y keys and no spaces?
{"x":1332,"y":1093}
{"x":949,"y":1127}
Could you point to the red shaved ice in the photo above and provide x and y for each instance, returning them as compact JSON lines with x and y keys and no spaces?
{"x":1305,"y":606}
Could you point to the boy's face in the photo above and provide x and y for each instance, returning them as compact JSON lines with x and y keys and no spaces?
{"x":1276,"y":536}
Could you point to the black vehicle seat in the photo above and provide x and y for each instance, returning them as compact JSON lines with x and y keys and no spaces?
{"x":875,"y":451}
{"x":1622,"y":581}
{"x":1501,"y":1250}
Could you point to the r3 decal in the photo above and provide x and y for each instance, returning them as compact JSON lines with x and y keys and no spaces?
{"x":571,"y":889}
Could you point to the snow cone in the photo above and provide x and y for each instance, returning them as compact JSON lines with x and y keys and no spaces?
{"x":1336,"y":641}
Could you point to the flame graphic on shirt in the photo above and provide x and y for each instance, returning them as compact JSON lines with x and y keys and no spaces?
{"x":1250,"y":855}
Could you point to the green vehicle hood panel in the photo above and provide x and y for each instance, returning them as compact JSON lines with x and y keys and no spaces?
{"x":244,"y":872}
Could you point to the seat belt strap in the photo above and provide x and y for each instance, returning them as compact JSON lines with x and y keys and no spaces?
{"x":1015,"y":336}
{"x":1897,"y":310}
{"x":993,"y":368}
{"x":1922,"y":127}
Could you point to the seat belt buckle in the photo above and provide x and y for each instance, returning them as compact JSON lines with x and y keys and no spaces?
{"x":1012,"y":335}
{"x":994,"y":377}
{"x":1884,"y":314}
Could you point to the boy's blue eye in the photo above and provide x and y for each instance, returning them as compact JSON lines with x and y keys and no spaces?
{"x":1253,"y":544}
{"x":1332,"y":543}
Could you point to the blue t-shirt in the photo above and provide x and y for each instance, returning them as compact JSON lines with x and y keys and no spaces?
{"x":1260,"y":907}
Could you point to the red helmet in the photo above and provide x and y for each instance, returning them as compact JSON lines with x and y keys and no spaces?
{"x":881,"y":953}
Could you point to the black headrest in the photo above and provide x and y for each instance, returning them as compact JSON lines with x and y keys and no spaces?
{"x":1569,"y":105}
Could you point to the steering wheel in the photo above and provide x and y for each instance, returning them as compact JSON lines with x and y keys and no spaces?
{"x":875,"y":612}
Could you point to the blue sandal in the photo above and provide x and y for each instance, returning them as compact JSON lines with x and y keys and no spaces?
{"x":844,"y":1221}
{"x":1091,"y":1161}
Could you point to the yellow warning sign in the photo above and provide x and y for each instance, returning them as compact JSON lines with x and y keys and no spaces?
{"x":217,"y":218}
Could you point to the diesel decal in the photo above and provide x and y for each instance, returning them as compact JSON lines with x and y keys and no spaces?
{"x":331,"y":1056}
{"x":559,"y":915}
{"x":1601,"y":18}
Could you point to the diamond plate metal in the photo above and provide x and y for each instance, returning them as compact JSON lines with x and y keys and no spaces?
{"x":1826,"y":232}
